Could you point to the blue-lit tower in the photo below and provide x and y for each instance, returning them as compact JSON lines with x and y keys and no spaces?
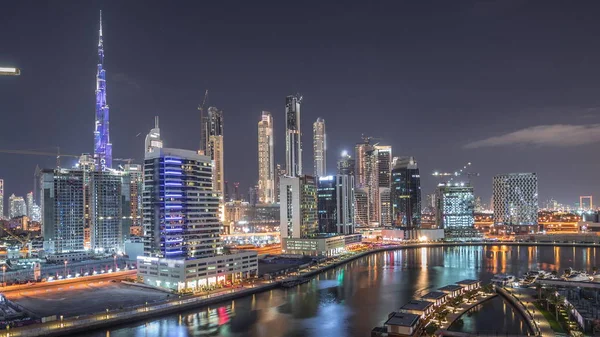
{"x":102,"y":145}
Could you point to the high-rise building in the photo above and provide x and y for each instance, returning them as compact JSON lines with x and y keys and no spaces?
{"x":406,"y":193}
{"x":1,"y":199}
{"x":182,"y":245}
{"x":134,"y":184}
{"x":106,"y":210}
{"x":29,"y":204}
{"x":516,"y":201}
{"x":17,"y":206}
{"x":384,"y":168}
{"x":226,"y":193}
{"x":63,"y":210}
{"x":298,"y":207}
{"x":372,"y":186}
{"x":153,"y":140}
{"x":279,"y":172}
{"x":236,"y":191}
{"x":179,"y":206}
{"x":212,"y":125}
{"x":455,"y":206}
{"x":346,"y":164}
{"x":320,"y":147}
{"x":361,"y":156}
{"x":212,"y":146}
{"x":36,"y":213}
{"x":102,"y":144}
{"x":335,"y":196}
{"x":361,"y":206}
{"x":266,"y":162}
{"x":293,"y":142}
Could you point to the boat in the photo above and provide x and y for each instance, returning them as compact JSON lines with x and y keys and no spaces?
{"x":596,"y":277}
{"x":528,"y":280}
{"x":537,"y":274}
{"x":294,"y":282}
{"x":576,"y":276}
{"x":503,"y":280}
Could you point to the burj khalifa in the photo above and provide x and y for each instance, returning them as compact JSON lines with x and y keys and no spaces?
{"x":102,"y":145}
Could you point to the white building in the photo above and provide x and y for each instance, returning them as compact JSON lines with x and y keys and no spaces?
{"x":298,"y":207}
{"x":182,"y":244}
{"x":320,"y":148}
{"x":17,"y":206}
{"x":266,"y":162}
{"x":516,"y":201}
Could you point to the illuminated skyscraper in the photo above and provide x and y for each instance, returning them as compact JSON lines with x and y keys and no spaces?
{"x":335,"y":195}
{"x":345,"y":166}
{"x":516,"y":201}
{"x":384,"y":168}
{"x":153,"y":140}
{"x":29,"y":204}
{"x":212,"y":146}
{"x":63,"y":209}
{"x":455,"y":206}
{"x":102,"y":144}
{"x":106,"y":210}
{"x":320,"y":147}
{"x":293,"y":142}
{"x":134,"y":185}
{"x":406,"y":192}
{"x":298,"y":207}
{"x":266,"y":164}
{"x":17,"y":206}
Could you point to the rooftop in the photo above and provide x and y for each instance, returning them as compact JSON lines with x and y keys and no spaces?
{"x":468,"y":282}
{"x":402,"y":319}
{"x":451,"y":287}
{"x":435,"y":295}
{"x":417,"y":305}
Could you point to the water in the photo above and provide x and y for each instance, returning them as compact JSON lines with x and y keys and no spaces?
{"x":506,"y":319}
{"x":352,"y":299}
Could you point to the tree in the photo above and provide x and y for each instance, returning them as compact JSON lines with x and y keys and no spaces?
{"x":538,"y":288}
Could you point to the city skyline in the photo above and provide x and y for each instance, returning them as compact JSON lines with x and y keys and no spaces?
{"x":494,"y":139}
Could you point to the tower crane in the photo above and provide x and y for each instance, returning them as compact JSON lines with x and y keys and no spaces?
{"x":464,"y":171}
{"x":57,"y":154}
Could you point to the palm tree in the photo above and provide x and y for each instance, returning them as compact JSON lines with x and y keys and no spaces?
{"x":538,"y":288}
{"x":556,"y":300}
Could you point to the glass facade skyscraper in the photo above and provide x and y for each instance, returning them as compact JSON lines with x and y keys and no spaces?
{"x":406,"y":193}
{"x":335,"y":197}
{"x":102,"y":144}
{"x":266,"y":161}
{"x":320,"y":148}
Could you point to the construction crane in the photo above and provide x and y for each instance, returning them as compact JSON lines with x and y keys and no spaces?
{"x":201,"y":109}
{"x":41,"y":153}
{"x":57,"y":154}
{"x":460,"y":173}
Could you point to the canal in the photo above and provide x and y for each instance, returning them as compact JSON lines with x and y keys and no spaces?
{"x":352,"y":299}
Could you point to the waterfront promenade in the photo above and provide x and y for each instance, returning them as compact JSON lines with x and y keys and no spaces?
{"x":144,"y":312}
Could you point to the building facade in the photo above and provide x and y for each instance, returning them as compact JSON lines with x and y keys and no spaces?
{"x":106,"y":211}
{"x":516,"y":201}
{"x":320,"y":148}
{"x":63,"y":210}
{"x":406,"y":193}
{"x":134,"y":185}
{"x":266,"y":161}
{"x":455,"y":206}
{"x":293,"y":135}
{"x":384,"y":168}
{"x":17,"y":206}
{"x":298,"y":207}
{"x":346,"y":164}
{"x":102,"y":144}
{"x":182,"y":244}
{"x":335,"y":196}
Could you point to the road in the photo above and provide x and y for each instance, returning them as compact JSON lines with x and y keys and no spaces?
{"x":17,"y":291}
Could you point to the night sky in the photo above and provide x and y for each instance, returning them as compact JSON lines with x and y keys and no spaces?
{"x":511,"y":86}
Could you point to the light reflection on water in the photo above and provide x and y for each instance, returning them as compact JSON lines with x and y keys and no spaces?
{"x":352,"y":299}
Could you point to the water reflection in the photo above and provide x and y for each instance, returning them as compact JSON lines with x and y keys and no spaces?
{"x":352,"y":299}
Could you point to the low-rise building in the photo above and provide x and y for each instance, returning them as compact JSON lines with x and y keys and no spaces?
{"x":402,"y":324}
{"x":322,"y":244}
{"x":452,"y":290}
{"x":470,"y":285}
{"x":193,"y":274}
{"x":436,"y":297}
{"x":417,"y":307}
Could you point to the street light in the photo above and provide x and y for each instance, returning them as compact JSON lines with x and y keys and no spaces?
{"x":65,"y":274}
